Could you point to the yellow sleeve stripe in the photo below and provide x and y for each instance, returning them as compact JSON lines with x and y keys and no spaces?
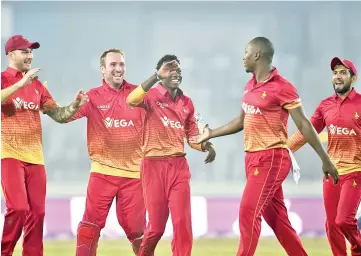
{"x":196,"y":146}
{"x":293,"y":105}
{"x":323,"y":137}
{"x":136,"y":96}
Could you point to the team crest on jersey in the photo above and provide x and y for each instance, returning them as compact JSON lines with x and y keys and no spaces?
{"x":357,"y":116}
{"x":264,"y":94}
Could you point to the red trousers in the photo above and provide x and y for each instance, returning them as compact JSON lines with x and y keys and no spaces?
{"x":263,"y":196}
{"x":24,"y":188}
{"x":130,"y":209}
{"x":166,"y":188}
{"x":341,"y":204}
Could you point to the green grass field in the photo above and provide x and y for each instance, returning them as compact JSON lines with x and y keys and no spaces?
{"x":202,"y":247}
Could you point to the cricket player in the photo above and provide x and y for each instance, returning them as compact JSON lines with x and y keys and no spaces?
{"x":268,"y":101}
{"x":170,"y":118}
{"x":23,"y":176}
{"x":114,"y":138}
{"x":341,"y":114}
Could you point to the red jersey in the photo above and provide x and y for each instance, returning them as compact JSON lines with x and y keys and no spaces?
{"x":21,"y":132}
{"x":168,"y":122}
{"x":114,"y":131}
{"x":266,"y":106}
{"x":343,"y":121}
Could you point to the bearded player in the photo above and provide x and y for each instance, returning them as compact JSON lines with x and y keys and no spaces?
{"x":23,"y":176}
{"x":341,"y":114}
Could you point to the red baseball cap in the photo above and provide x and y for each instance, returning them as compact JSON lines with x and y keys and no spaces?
{"x":347,"y":63}
{"x":19,"y":42}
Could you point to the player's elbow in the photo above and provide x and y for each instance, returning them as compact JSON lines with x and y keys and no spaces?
{"x":131,"y":102}
{"x":304,"y":124}
{"x":240,"y":124}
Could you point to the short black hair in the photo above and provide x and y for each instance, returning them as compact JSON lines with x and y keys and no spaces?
{"x":166,"y":58}
{"x":265,"y":46}
{"x":351,"y":72}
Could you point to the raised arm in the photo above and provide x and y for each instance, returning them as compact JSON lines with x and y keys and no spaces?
{"x":137,"y":95}
{"x":7,"y":92}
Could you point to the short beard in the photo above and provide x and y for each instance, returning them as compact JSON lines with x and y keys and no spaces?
{"x":344,"y":90}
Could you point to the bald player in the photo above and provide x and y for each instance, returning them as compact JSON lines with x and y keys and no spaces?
{"x":341,"y":114}
{"x":268,"y":101}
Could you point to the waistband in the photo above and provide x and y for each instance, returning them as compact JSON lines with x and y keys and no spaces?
{"x":162,"y":158}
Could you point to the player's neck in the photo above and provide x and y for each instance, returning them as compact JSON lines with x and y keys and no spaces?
{"x":115,"y":86}
{"x":263,"y":73}
{"x":343,"y":96}
{"x":173,"y":92}
{"x":13,"y":66}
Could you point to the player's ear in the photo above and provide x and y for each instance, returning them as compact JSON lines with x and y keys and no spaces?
{"x":257,"y":55}
{"x":102,"y":69}
{"x":353,"y":78}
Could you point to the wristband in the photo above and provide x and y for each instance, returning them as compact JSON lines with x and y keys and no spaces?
{"x":156,"y":76}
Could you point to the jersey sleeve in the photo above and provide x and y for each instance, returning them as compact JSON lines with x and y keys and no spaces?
{"x":296,"y":141}
{"x":191,"y":126}
{"x":4,"y":84}
{"x":47,"y":103}
{"x":139,"y":98}
{"x":288,"y":97}
{"x":4,"y":81}
{"x":146,"y":102}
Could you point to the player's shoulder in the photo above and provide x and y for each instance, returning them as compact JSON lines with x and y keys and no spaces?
{"x":186,"y":98}
{"x":39,"y":85}
{"x":96,"y":90}
{"x":4,"y":77}
{"x":153,"y":92}
{"x":328,"y":100}
{"x":357,"y":95}
{"x":249,"y":83}
{"x":130,"y":86}
{"x":284,"y":84}
{"x":187,"y":101}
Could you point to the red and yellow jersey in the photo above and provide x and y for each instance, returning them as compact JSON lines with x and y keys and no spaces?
{"x":21,"y":132}
{"x":343,"y":121}
{"x":266,"y":106}
{"x":168,"y":122}
{"x":114,"y":131}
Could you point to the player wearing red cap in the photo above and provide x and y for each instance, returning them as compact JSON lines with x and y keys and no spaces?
{"x":341,"y":114}
{"x":268,"y":101}
{"x":23,"y":176}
